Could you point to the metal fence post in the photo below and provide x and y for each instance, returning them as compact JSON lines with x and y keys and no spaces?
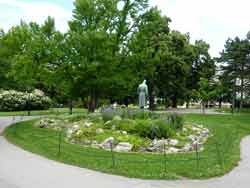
{"x":165,"y":159}
{"x":112,"y":154}
{"x":197,"y":156}
{"x":59,"y":143}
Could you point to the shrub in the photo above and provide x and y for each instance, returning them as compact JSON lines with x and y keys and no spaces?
{"x":126,"y":125}
{"x":176,"y":121}
{"x":17,"y":101}
{"x":155,"y":129}
{"x":109,"y":113}
{"x":162,"y":129}
{"x":143,"y":128}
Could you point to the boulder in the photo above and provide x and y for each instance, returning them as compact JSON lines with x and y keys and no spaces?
{"x":157,"y":145}
{"x":192,"y":138}
{"x":75,"y":128}
{"x":99,"y":131}
{"x":123,"y":147}
{"x":205,"y":133}
{"x":124,"y":132}
{"x":173,"y":142}
{"x":69,"y":133}
{"x":187,"y":148}
{"x":88,"y":124}
{"x":106,"y":144}
{"x":172,"y":150}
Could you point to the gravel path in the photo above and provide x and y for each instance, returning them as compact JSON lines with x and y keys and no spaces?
{"x":21,"y":169}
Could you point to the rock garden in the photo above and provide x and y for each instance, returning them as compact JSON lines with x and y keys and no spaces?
{"x":124,"y":130}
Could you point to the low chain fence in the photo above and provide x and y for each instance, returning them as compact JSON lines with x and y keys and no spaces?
{"x":218,"y":151}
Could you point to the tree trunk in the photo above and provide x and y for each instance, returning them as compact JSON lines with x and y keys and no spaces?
{"x":220,"y":103}
{"x":92,"y":102}
{"x":174,"y":102}
{"x":151,"y":96}
{"x":70,"y":106}
{"x":151,"y":102}
{"x":203,"y":106}
{"x":187,"y":104}
{"x":241,"y":93}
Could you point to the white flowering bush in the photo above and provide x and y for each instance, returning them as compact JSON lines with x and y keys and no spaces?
{"x":12,"y":100}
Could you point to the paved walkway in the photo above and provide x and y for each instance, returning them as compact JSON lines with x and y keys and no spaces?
{"x":21,"y":169}
{"x":196,"y":111}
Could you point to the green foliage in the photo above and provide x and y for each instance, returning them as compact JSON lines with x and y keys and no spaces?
{"x":110,"y":47}
{"x":176,"y":121}
{"x":154,"y":129}
{"x":144,"y":123}
{"x":235,"y":69}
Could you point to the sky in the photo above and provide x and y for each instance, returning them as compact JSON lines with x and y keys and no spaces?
{"x":211,"y":20}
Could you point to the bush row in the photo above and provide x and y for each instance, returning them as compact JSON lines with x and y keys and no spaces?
{"x":17,"y":101}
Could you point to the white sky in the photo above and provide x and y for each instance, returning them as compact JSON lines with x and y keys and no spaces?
{"x":211,"y":20}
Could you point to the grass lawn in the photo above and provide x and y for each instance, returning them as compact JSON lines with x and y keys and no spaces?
{"x":52,"y":111}
{"x":220,"y":156}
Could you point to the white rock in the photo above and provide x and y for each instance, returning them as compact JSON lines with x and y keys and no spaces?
{"x":124,"y":132}
{"x":196,"y":129}
{"x":173,"y":142}
{"x":75,"y":128}
{"x":205,"y":132}
{"x":79,"y":133}
{"x":187,"y":148}
{"x":184,"y":129}
{"x":172,"y":150}
{"x":192,"y":138}
{"x":69,"y":133}
{"x":88,"y":124}
{"x":99,"y":131}
{"x":123,"y":147}
{"x":107,"y":143}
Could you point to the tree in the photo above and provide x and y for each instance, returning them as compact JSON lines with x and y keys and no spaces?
{"x":148,"y":46}
{"x":236,"y":67}
{"x":174,"y":69}
{"x":99,"y":34}
{"x":202,"y":66}
{"x":205,"y":92}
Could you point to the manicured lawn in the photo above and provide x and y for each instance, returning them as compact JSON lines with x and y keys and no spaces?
{"x":52,"y":111}
{"x":221,"y":152}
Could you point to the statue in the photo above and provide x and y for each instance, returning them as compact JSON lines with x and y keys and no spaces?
{"x":143,"y":93}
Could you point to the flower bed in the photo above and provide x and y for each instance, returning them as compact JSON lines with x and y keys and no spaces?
{"x":141,"y":134}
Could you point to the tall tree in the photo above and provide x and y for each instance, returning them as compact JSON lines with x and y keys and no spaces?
{"x":236,"y":67}
{"x":148,"y":46}
{"x":100,"y":30}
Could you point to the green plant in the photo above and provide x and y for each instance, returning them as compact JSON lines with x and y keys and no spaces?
{"x":126,"y":125}
{"x":176,"y":121}
{"x":162,"y":129}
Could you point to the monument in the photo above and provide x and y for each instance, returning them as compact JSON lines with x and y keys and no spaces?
{"x":143,"y":93}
